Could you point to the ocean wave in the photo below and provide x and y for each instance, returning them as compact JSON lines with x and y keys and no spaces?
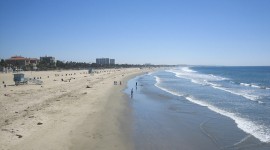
{"x":187,"y":69}
{"x":205,"y":83}
{"x":245,"y":84}
{"x":187,"y":73}
{"x":158,"y":81}
{"x":208,"y":79}
{"x":261,"y":132}
{"x":213,"y":84}
{"x":195,"y":81}
{"x":218,"y":77}
{"x":254,"y":86}
{"x":243,"y":94}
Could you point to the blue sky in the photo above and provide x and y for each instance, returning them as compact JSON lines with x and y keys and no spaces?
{"x":202,"y":32}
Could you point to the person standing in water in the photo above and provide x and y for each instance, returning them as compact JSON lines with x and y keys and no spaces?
{"x":131,"y":93}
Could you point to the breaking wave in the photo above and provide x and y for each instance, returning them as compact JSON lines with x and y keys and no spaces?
{"x":261,"y":132}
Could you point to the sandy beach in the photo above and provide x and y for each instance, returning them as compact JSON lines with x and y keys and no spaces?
{"x":82,"y":111}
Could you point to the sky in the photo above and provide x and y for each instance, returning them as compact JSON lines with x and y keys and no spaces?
{"x":195,"y":32}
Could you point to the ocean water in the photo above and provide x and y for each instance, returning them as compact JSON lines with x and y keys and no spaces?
{"x":240,"y":93}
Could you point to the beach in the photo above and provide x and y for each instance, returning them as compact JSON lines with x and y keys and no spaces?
{"x":82,"y":111}
{"x":169,"y":109}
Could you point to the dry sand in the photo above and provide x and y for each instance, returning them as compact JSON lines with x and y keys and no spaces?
{"x":65,"y":114}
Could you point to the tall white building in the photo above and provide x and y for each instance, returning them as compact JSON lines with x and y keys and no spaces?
{"x":105,"y":61}
{"x":112,"y":61}
{"x":48,"y":60}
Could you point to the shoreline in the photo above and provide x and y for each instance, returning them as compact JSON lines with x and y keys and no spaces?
{"x":163,"y":120}
{"x":90,"y":112}
{"x":117,"y":127}
{"x":67,"y":115}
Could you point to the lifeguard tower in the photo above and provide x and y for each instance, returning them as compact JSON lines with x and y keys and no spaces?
{"x":90,"y":70}
{"x":19,"y":79}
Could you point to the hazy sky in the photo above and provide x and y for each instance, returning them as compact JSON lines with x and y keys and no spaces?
{"x":204,"y":32}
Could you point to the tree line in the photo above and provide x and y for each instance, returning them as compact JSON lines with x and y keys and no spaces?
{"x":42,"y":65}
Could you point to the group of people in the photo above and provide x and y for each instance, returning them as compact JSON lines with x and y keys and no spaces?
{"x":131,"y":92}
{"x":4,"y":84}
{"x":115,"y":82}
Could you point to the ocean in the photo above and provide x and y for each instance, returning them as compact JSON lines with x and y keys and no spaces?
{"x":229,"y":107}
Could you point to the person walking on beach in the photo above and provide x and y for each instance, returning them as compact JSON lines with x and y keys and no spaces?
{"x":131,"y":93}
{"x":136,"y":84}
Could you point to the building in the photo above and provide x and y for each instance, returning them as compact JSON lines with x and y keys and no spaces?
{"x":97,"y":61}
{"x":22,"y":62}
{"x":48,"y":60}
{"x":112,"y":61}
{"x":103,"y":61}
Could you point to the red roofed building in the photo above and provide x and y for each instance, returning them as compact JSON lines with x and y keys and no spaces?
{"x":22,"y":62}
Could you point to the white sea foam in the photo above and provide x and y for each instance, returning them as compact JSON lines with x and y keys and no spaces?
{"x":158,"y":80}
{"x":243,"y":93}
{"x":187,"y":69}
{"x":197,"y":82}
{"x":245,"y":84}
{"x":157,"y":84}
{"x":212,"y":84}
{"x":255,"y":86}
{"x":187,"y":73}
{"x":261,"y":132}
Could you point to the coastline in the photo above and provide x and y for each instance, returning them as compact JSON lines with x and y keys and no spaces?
{"x":67,"y":115}
{"x":163,"y":120}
